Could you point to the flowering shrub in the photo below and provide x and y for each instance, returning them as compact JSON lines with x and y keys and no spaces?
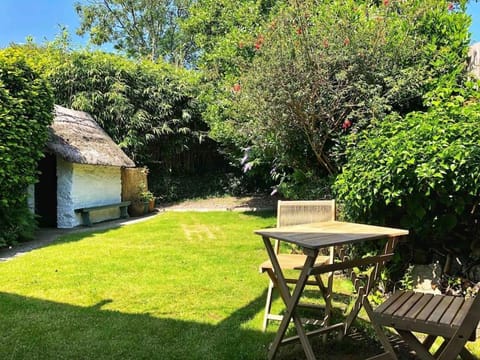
{"x":327,"y":69}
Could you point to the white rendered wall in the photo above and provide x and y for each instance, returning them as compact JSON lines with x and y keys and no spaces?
{"x":84,"y":186}
{"x":31,"y":198}
{"x":65,"y":215}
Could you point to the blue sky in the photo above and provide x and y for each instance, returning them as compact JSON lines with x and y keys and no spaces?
{"x":41,"y":19}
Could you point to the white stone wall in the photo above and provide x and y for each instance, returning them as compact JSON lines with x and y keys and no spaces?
{"x":84,"y":186}
{"x":31,"y":198}
{"x":65,"y":214}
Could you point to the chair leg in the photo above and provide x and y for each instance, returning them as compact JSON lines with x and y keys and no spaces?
{"x":268,"y":305}
{"x":416,"y":345}
{"x":387,"y":347}
{"x":467,"y":355}
{"x":454,"y":346}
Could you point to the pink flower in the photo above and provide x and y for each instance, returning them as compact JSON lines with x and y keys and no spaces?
{"x":386,"y":2}
{"x":259,"y":42}
{"x":237,"y":88}
{"x":450,"y":7}
{"x":346,"y":124}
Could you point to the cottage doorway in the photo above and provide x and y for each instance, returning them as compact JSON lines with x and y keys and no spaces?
{"x":46,"y":192}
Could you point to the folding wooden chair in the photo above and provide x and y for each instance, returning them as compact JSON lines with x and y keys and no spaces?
{"x":296,"y":213}
{"x":453,"y":318}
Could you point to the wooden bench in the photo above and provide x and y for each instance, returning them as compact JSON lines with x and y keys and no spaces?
{"x":86,"y":211}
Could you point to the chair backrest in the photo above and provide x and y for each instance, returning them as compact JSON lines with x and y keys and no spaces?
{"x":304,"y":212}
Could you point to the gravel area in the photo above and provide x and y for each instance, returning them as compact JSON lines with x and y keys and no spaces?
{"x":223,"y":203}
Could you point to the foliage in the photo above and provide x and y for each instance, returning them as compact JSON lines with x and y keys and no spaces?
{"x":420,"y":172}
{"x":149,"y":109}
{"x":140,"y":28}
{"x":225,"y":34}
{"x":227,"y":181}
{"x":287,"y":81}
{"x":340,"y":77}
{"x":26,"y":106}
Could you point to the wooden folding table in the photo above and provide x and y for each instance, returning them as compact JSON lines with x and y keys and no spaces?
{"x":311,"y":238}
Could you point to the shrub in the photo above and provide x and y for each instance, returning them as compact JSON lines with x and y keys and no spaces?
{"x":420,"y":172}
{"x":26,"y":111}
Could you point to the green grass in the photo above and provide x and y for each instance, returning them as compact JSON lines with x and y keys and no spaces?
{"x":179,"y":286}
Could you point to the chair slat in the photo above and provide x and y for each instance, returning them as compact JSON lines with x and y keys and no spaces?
{"x":429,"y":308}
{"x":414,"y":311}
{"x":397,"y":304}
{"x":452,"y":311}
{"x":440,"y":309}
{"x":462,"y":312}
{"x":408,"y":305}
{"x":383,"y":306}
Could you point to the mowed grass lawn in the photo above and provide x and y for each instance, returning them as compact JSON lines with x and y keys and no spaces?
{"x":178,"y":286}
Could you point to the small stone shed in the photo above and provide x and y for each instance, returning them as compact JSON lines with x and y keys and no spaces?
{"x":82,"y":168}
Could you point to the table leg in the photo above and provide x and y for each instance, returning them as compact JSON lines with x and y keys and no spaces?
{"x":291,"y":301}
{"x":363,"y":291}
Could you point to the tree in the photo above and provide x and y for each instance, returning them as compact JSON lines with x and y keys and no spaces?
{"x":140,"y":28}
{"x":225,"y":33}
{"x":295,"y":80}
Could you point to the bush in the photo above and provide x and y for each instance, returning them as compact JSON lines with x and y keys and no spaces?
{"x":26,"y":111}
{"x":420,"y":172}
{"x":292,"y":81}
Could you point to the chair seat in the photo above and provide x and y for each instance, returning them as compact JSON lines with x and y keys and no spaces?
{"x":437,"y":315}
{"x":292,"y":262}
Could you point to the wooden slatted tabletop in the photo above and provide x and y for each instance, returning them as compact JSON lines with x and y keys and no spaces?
{"x":330,"y":233}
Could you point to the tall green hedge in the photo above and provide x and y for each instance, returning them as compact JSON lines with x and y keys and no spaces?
{"x":26,"y":106}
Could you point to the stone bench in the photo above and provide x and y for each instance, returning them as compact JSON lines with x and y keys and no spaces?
{"x":85,"y":211}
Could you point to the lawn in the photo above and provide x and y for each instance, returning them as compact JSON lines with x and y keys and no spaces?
{"x":179,"y":286}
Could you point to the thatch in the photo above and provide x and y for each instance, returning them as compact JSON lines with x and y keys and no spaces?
{"x":77,"y":138}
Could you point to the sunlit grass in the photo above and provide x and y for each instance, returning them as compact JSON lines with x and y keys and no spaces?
{"x":179,"y":286}
{"x":182,"y":285}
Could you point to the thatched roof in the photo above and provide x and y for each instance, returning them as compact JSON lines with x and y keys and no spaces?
{"x":77,"y":138}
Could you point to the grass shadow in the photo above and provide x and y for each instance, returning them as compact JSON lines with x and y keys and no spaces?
{"x":40,"y":329}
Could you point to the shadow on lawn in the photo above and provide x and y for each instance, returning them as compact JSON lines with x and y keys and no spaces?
{"x":40,"y":329}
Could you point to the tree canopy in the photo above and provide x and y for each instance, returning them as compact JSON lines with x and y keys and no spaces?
{"x":288,"y":80}
{"x":139,"y":28}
